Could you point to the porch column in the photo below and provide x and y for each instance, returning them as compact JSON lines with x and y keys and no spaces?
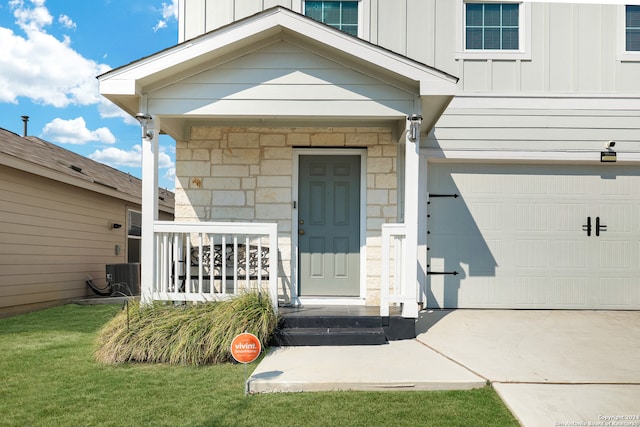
{"x":150,"y":132}
{"x":411,"y":198}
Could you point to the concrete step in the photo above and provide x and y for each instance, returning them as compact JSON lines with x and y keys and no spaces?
{"x":330,"y":325}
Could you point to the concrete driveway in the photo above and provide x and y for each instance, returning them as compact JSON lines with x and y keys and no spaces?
{"x":551,"y":368}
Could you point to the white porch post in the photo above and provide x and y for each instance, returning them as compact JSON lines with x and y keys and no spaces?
{"x":149,"y":207}
{"x":411,"y":198}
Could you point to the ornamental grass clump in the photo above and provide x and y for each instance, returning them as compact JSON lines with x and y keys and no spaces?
{"x":194,"y":334}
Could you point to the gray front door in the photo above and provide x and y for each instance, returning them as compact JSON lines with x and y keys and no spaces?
{"x":329,"y":225}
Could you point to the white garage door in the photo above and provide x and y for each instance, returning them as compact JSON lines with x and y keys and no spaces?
{"x":527,"y":236}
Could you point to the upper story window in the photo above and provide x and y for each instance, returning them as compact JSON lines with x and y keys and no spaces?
{"x":632,"y":28}
{"x":492,"y":26}
{"x":628,"y":33}
{"x":493,"y":29}
{"x":342,"y":15}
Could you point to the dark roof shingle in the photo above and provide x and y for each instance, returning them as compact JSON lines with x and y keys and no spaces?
{"x":40,"y":152}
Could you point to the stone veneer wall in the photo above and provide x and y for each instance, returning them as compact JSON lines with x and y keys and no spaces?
{"x":245,"y":174}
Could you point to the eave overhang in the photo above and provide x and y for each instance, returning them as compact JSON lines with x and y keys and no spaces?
{"x":127,"y":86}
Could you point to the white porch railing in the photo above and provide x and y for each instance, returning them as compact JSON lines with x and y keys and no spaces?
{"x":209,"y":261}
{"x":392,"y":287}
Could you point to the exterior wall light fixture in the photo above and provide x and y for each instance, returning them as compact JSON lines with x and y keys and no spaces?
{"x":144,"y":120}
{"x":610,"y":155}
{"x":414,"y":127}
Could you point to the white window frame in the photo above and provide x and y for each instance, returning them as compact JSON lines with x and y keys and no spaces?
{"x":364,"y":15}
{"x":133,"y":236}
{"x":524,"y":33}
{"x":623,"y":54}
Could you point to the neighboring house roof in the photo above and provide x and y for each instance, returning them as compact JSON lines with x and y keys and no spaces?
{"x":37,"y":156}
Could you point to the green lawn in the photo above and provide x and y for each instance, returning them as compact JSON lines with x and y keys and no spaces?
{"x":48,"y":377}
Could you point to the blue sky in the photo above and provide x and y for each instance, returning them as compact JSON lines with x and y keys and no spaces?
{"x":50,"y":54}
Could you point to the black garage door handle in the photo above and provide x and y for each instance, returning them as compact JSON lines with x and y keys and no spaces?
{"x":587,"y":227}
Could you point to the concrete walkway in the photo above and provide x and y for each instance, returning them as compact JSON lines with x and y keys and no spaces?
{"x":551,"y":368}
{"x":399,"y":365}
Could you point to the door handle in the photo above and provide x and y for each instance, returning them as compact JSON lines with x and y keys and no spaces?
{"x":301,"y":232}
{"x":587,"y":227}
{"x":599,"y":227}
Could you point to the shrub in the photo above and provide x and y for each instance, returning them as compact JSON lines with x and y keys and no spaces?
{"x":194,"y":334}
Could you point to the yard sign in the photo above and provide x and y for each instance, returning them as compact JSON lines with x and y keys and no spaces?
{"x":245,"y":348}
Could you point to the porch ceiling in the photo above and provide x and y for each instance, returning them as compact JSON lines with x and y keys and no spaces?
{"x":278,"y":68}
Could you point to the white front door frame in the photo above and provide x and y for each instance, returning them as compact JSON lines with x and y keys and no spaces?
{"x":295,"y":298}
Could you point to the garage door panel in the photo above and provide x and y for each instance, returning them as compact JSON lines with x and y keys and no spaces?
{"x":570,"y":185}
{"x":481,"y":259}
{"x":617,"y":293}
{"x":483,"y":293}
{"x":569,"y":292}
{"x":518,"y":236}
{"x":569,"y":254}
{"x":531,"y":253}
{"x":569,"y":217}
{"x":617,"y":217}
{"x":532,"y":217}
{"x":614,"y":255}
{"x":485,"y":216}
{"x":530,"y":292}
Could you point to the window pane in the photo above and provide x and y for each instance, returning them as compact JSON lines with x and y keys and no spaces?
{"x":133,"y":250}
{"x":342,"y":15}
{"x":492,"y":38}
{"x":492,"y":15}
{"x":633,"y":17}
{"x":633,"y":41}
{"x":510,"y":39}
{"x":135,"y":224}
{"x":632,"y":23}
{"x":350,"y":29}
{"x":510,"y":15}
{"x":313,"y":9}
{"x":332,"y":13}
{"x":474,"y":38}
{"x":492,"y":26}
{"x":474,"y":15}
{"x":350,"y":13}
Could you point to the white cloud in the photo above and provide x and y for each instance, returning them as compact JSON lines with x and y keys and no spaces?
{"x":34,"y":19}
{"x":75,"y":131}
{"x":109,"y":110}
{"x":66,"y":22}
{"x":115,"y":157}
{"x":42,"y":68}
{"x":170,"y":174}
{"x":169,"y":12}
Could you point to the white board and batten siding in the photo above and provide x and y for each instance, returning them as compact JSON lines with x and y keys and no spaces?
{"x":281,"y":80}
{"x":574,"y":48}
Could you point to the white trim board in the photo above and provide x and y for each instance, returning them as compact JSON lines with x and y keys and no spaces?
{"x":494,"y":156}
{"x":546,"y":101}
